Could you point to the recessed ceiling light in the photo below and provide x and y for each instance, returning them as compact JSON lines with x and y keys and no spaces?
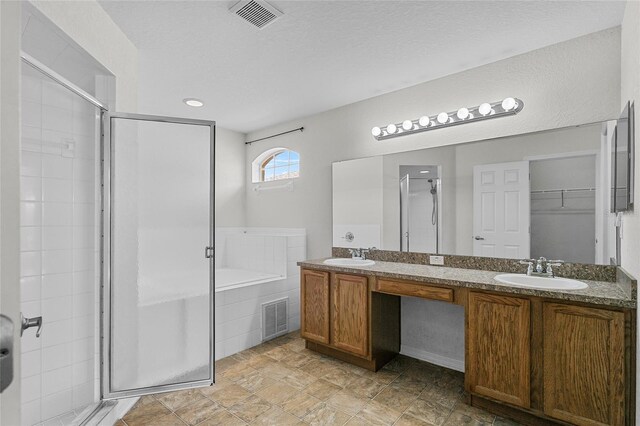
{"x":193,"y":102}
{"x":424,"y":171}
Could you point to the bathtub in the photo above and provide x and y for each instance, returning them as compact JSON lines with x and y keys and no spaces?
{"x":232,"y":278}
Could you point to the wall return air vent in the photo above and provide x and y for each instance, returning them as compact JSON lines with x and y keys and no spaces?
{"x":258,"y":13}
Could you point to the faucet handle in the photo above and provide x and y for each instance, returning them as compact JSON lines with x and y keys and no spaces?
{"x":529,"y":263}
{"x":555,"y":262}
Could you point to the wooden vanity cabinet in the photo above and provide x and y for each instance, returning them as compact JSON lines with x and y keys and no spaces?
{"x":584,"y":364}
{"x":349,"y":328}
{"x":342,"y":317}
{"x":499,"y":348}
{"x":314,"y":305}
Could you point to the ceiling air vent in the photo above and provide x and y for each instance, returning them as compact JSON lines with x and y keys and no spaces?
{"x":258,"y":13}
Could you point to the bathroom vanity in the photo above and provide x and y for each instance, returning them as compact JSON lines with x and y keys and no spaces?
{"x":537,"y":356}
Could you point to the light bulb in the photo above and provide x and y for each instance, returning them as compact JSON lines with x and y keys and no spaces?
{"x":407,"y":124}
{"x":443,"y":117}
{"x":391,"y":128}
{"x":424,"y":121}
{"x":508,"y":104}
{"x":463,"y":113}
{"x":376,"y":131}
{"x":484,"y":109}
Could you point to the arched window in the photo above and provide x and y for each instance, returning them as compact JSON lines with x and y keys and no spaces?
{"x":276,"y":164}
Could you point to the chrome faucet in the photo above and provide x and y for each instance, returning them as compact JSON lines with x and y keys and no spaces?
{"x":361,"y":253}
{"x":543,"y":266}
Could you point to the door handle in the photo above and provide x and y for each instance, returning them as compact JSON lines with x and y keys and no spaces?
{"x":31,"y":322}
{"x":208,"y":252}
{"x":479,"y":238}
{"x":6,"y":352}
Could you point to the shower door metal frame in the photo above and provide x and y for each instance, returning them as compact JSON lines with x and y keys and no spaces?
{"x":107,"y":165}
{"x":407,"y":177}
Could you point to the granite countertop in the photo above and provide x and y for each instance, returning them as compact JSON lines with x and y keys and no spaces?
{"x":598,"y":292}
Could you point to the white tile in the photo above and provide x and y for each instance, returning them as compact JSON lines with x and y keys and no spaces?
{"x":30,"y":263}
{"x":84,"y":122}
{"x":57,"y":190}
{"x":83,"y":305}
{"x":30,"y":288}
{"x":84,"y":237}
{"x":56,"y":404}
{"x":56,"y":95}
{"x":296,"y":254}
{"x":296,"y":241}
{"x":30,"y":164}
{"x":56,"y":357}
{"x":57,"y":333}
{"x":57,"y":214}
{"x":30,"y":238}
{"x":82,"y":372}
{"x":84,"y":260}
{"x":83,"y":350}
{"x":31,"y":363}
{"x":57,"y":308}
{"x":84,"y":282}
{"x":31,"y":88}
{"x":57,"y":285}
{"x":55,"y":381}
{"x":57,"y":119}
{"x":29,"y":342}
{"x":55,"y":166}
{"x":57,"y":261}
{"x":84,"y":191}
{"x":30,"y":213}
{"x":83,"y":327}
{"x":30,"y":388}
{"x":85,"y":147}
{"x":57,"y":237}
{"x":30,"y":188}
{"x":84,"y":169}
{"x":83,"y":215}
{"x":31,"y":114}
{"x":31,"y":139}
{"x":84,"y":394}
{"x":30,"y":412}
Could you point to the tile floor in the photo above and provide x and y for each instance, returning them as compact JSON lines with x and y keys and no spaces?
{"x":282,"y":383}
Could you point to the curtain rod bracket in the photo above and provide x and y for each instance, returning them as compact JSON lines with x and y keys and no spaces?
{"x":299,"y":129}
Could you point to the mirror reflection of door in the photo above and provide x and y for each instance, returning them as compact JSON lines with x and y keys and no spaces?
{"x":501,"y":210}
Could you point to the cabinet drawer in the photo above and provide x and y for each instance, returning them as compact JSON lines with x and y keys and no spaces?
{"x":416,"y":290}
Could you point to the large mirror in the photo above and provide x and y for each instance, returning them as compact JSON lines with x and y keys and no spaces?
{"x":539,"y":194}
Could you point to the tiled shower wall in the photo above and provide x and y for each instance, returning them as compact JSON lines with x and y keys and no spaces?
{"x":58,"y":248}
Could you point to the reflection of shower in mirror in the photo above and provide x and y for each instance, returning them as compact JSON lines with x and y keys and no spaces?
{"x":420,"y":199}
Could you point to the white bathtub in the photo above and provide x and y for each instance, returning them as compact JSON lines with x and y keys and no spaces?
{"x":232,"y":278}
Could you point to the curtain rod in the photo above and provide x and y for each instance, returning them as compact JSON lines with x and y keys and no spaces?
{"x":300,"y":129}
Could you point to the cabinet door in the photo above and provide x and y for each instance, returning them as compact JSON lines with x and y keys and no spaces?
{"x":499,"y":347}
{"x":583,"y":365}
{"x":350,"y":314}
{"x":314,"y":305}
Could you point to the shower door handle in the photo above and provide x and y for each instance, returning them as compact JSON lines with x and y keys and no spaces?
{"x":208,"y":252}
{"x":479,"y":238}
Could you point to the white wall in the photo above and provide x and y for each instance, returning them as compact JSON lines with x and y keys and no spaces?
{"x":630,"y":90}
{"x":569,"y":83}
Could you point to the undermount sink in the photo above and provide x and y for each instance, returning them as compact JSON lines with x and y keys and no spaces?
{"x":521,"y":280}
{"x":349,"y":262}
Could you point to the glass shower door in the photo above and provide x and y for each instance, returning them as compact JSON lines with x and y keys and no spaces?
{"x":158,"y":263}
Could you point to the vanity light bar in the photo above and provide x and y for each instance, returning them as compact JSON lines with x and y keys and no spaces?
{"x":485,"y":111}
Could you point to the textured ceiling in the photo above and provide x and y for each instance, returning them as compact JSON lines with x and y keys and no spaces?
{"x":325,"y":54}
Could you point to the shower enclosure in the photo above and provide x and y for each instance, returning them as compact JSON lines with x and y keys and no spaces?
{"x":112,"y":205}
{"x":420,"y":213}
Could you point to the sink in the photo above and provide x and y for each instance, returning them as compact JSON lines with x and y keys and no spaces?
{"x":349,"y":262}
{"x":521,"y":280}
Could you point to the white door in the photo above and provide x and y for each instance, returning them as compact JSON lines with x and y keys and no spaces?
{"x":501,"y":210}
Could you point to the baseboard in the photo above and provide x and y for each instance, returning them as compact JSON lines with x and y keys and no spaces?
{"x":442,"y":361}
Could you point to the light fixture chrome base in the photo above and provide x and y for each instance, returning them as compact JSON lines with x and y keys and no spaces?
{"x":486,"y":111}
